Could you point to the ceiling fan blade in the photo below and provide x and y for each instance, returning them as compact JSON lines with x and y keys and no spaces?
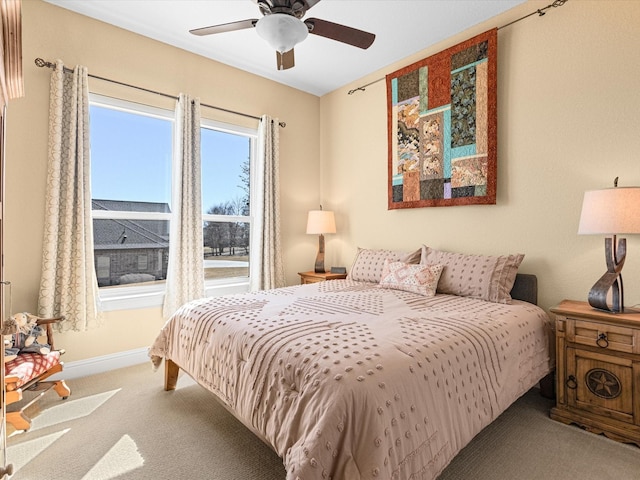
{"x":341,"y":33}
{"x":285,"y":60}
{"x":225,"y":27}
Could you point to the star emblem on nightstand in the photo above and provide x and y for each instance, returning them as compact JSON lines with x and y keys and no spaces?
{"x":603,"y":383}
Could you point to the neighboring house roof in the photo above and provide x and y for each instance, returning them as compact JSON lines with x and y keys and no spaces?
{"x":130,"y":234}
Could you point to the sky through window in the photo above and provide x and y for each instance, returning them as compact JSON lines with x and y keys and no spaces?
{"x":133,"y":161}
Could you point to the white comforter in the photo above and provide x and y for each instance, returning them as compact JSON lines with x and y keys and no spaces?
{"x":347,"y":380}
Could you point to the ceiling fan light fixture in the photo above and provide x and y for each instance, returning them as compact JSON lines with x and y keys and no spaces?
{"x":282,"y":31}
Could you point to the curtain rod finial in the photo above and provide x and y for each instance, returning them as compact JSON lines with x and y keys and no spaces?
{"x":40,"y":62}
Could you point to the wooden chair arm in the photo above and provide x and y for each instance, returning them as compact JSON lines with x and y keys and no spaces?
{"x":47,"y":322}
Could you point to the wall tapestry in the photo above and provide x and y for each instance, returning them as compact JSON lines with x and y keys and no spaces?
{"x":442,"y":126}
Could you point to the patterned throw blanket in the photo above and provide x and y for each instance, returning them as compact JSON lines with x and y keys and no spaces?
{"x":348,"y":380}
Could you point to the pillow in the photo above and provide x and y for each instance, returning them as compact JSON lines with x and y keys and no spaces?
{"x":368,"y":264}
{"x":420,"y":279}
{"x":477,"y":276}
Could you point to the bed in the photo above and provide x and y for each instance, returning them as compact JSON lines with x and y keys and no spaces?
{"x":352,"y":379}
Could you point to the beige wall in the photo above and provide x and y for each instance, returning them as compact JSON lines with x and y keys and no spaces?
{"x":568,"y":116}
{"x":51,"y":32}
{"x":568,"y":112}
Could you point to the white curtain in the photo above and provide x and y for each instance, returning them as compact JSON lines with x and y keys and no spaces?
{"x":267,"y":268}
{"x":185,"y":272}
{"x":68,"y":285}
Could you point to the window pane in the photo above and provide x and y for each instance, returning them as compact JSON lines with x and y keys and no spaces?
{"x":226,"y":250}
{"x":130,"y":251}
{"x":130,"y":156}
{"x":225,"y":172}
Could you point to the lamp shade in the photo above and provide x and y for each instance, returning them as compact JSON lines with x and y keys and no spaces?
{"x":282,"y":31}
{"x":610,"y":211}
{"x":320,"y":222}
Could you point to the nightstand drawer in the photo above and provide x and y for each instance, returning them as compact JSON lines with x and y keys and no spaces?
{"x":602,"y":336}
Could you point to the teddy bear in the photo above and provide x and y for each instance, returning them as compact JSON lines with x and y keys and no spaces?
{"x":25,"y":338}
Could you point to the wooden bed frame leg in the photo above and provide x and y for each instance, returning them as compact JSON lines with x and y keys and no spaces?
{"x":171,"y":371}
{"x":547,"y":386}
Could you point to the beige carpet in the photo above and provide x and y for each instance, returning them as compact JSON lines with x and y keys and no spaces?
{"x":122,"y":425}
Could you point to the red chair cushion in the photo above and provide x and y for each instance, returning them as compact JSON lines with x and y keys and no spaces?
{"x":31,"y":365}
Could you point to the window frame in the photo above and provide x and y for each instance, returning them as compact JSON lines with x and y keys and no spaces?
{"x":150,"y":296}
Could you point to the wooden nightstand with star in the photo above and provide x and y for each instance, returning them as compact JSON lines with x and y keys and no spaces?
{"x":598,"y":370}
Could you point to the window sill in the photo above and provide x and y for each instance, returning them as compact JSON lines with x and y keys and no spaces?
{"x":133,"y":298}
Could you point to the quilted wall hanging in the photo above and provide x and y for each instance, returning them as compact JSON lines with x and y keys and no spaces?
{"x":442,"y":127}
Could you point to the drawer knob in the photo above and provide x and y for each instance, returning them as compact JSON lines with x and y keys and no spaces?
{"x":602,"y":341}
{"x":572,"y":382}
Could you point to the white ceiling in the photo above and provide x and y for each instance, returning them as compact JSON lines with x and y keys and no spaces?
{"x":402,"y":27}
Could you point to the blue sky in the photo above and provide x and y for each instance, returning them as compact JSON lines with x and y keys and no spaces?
{"x":131,"y":159}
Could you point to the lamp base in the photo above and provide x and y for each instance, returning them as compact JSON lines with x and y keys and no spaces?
{"x":319,"y":266}
{"x":600,"y":291}
{"x":611,"y":280}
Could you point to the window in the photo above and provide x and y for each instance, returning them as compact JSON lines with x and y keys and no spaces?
{"x":131,"y":167}
{"x":142,"y":262}
{"x":226,"y":159}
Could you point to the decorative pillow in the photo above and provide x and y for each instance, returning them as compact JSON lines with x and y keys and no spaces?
{"x":477,"y":276}
{"x":420,"y":279}
{"x":368,"y":264}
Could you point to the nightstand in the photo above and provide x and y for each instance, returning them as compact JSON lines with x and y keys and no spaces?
{"x":598,"y":370}
{"x":313,"y":277}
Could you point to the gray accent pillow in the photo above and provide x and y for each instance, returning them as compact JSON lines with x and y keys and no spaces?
{"x":477,"y":276}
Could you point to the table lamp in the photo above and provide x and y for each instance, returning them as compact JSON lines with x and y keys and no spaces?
{"x":320,"y":222}
{"x":611,"y":211}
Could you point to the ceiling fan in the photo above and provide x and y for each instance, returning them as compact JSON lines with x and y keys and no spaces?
{"x":282,"y":27}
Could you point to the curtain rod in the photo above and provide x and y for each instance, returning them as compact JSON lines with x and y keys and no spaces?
{"x":43,"y":63}
{"x":540,"y":12}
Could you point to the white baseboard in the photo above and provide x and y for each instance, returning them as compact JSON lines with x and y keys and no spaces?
{"x":104,"y":363}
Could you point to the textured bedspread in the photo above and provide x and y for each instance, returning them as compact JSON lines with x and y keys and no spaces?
{"x":347,"y":380}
